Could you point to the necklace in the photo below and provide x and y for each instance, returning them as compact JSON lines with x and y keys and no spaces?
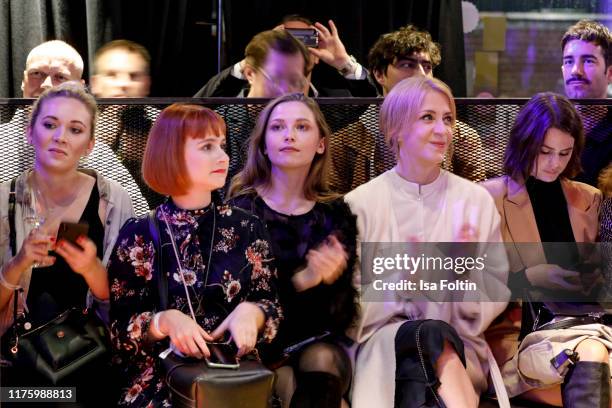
{"x":45,"y":204}
{"x":198,"y":212}
{"x":178,"y":260}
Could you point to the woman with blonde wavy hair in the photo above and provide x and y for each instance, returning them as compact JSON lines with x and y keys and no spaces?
{"x":53,"y":277}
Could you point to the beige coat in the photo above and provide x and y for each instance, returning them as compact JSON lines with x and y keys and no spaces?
{"x":458,"y":200}
{"x":518,"y":222}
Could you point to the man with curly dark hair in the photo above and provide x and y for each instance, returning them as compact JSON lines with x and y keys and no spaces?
{"x":402,"y":54}
{"x":397,"y":55}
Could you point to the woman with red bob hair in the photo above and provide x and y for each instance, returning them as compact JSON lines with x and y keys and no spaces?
{"x":216,"y":259}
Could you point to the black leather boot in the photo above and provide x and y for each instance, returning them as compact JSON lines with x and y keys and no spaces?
{"x":587,"y":385}
{"x":317,"y":389}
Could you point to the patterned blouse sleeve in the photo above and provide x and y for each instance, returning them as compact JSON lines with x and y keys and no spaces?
{"x":263,"y":288}
{"x":132,"y":291}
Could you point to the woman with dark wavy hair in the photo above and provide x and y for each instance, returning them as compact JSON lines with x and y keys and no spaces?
{"x":605,"y":219}
{"x":313,"y":235}
{"x":539,"y":203}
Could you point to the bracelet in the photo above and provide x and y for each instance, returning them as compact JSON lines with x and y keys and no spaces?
{"x":155,"y":330}
{"x":6,"y":284}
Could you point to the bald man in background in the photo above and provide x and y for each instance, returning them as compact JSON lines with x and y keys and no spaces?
{"x":50,"y":64}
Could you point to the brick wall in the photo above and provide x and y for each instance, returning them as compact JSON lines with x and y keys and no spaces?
{"x":530,"y":63}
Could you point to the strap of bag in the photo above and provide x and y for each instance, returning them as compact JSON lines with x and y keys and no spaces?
{"x":13,"y":244}
{"x":162,"y":278}
{"x":498,"y":381}
{"x":13,"y":238}
{"x":11,"y":217}
{"x":430,"y":384}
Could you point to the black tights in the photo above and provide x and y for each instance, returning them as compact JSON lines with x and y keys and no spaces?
{"x":322,"y":375}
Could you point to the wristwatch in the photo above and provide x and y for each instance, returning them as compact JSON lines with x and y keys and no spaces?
{"x":349,"y":68}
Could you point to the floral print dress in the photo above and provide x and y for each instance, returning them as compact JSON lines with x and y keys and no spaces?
{"x":240,"y":268}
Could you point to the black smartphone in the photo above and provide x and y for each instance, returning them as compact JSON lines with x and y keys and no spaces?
{"x":308,"y":36}
{"x":222,"y":356}
{"x":70,"y":231}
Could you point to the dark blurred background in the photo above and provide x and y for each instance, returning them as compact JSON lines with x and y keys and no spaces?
{"x":181,"y":35}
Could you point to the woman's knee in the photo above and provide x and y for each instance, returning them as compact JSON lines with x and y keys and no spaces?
{"x":426,"y":329}
{"x":285,"y":374}
{"x":448,"y":354}
{"x":317,"y":357}
{"x":324,"y":357}
{"x":327,"y":358}
{"x":592,"y":350}
{"x":437,"y":332}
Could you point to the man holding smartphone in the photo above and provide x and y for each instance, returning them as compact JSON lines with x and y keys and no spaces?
{"x":347,"y":77}
{"x":277,"y":63}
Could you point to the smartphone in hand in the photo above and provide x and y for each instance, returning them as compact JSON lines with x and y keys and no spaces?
{"x":70,"y":231}
{"x":222,"y":356}
{"x":308,"y":36}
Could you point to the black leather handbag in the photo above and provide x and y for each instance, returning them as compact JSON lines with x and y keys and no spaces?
{"x":193,"y":384}
{"x":70,"y":346}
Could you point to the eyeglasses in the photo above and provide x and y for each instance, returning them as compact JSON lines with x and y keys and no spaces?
{"x":292,"y":84}
{"x":412,"y":64}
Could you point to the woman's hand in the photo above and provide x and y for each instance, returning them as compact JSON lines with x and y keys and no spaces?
{"x":35,"y":251}
{"x":324,"y":264}
{"x":329,"y":260}
{"x":186,"y":335}
{"x":553,"y":277}
{"x":243,"y":324}
{"x":82,"y":259}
